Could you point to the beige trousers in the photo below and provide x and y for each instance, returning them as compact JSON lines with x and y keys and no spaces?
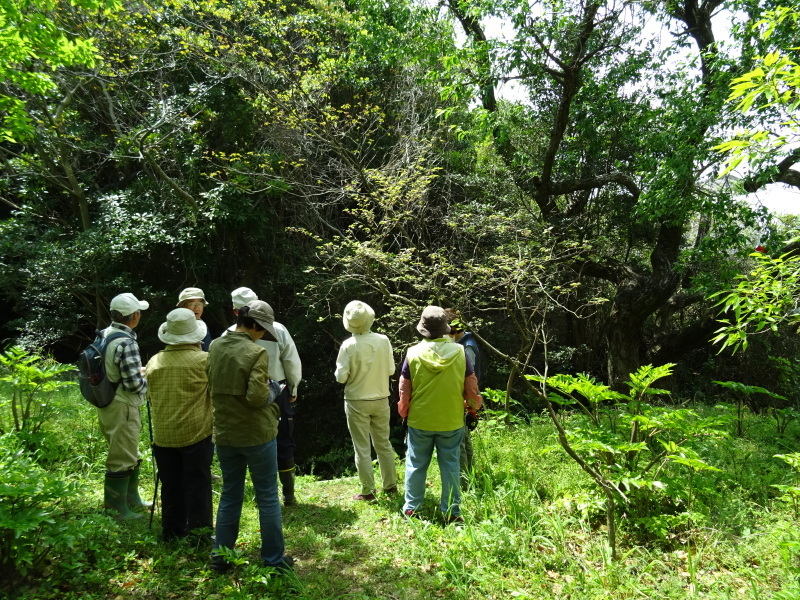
{"x":121,"y":424}
{"x":370,"y":419}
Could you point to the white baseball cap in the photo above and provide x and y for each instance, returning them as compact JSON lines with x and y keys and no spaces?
{"x":241,"y":296}
{"x":127,"y":304}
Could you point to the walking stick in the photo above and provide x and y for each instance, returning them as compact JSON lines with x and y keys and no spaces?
{"x":153,"y":506}
{"x":155,"y":466}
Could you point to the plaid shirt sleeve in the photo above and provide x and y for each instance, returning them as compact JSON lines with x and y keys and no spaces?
{"x":129,"y":361}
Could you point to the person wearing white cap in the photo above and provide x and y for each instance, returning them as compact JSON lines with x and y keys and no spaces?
{"x":365,"y":364}
{"x":181,"y":416}
{"x":121,"y":420}
{"x":194,"y":299}
{"x":245,"y":427}
{"x":285,"y":368}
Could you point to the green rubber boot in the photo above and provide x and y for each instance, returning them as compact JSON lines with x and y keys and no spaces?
{"x":115,"y":492}
{"x":134,"y":500}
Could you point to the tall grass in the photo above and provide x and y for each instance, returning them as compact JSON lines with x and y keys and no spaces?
{"x":534,"y":528}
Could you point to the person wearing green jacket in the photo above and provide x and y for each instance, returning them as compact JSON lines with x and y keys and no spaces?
{"x":437,"y":382}
{"x":245,"y":428}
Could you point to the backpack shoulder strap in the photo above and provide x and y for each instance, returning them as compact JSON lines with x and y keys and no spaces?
{"x":114,"y":336}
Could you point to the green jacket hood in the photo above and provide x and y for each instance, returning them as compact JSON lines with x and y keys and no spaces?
{"x":438,"y":354}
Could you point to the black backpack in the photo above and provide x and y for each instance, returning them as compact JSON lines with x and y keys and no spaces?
{"x":95,"y":386}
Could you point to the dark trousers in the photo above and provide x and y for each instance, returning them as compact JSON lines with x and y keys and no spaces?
{"x":285,"y":438}
{"x":185,"y":475}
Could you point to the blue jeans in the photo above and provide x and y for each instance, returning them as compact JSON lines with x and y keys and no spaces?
{"x":263,"y":464}
{"x":418,"y":457}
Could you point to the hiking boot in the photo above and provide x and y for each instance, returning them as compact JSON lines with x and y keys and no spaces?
{"x":287,"y":483}
{"x":219,"y":564}
{"x":411,"y":513}
{"x":365,"y":497}
{"x":391,"y":491}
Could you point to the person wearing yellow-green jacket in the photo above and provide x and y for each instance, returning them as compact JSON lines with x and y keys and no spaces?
{"x":437,"y":382}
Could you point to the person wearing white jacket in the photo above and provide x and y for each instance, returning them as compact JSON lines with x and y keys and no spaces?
{"x":285,"y":368}
{"x":364,"y":364}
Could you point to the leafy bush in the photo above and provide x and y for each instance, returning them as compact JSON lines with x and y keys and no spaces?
{"x":744,"y":394}
{"x":643,"y":457}
{"x":32,"y":379}
{"x":791,"y":493}
{"x":34,"y":528}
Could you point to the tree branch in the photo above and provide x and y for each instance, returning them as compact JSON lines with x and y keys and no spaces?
{"x":781,"y":173}
{"x":575,"y":185}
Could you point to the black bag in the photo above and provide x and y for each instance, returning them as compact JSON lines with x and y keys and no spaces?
{"x":94,"y":384}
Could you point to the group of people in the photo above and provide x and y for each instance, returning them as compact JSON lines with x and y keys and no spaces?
{"x":438,"y":387}
{"x":235,"y":394}
{"x":236,"y":397}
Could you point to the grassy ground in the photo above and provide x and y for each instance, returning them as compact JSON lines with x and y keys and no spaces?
{"x":532,"y":530}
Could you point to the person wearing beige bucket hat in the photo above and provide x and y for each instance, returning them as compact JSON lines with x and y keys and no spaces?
{"x":194,"y":299}
{"x":364,"y":365}
{"x":182,"y":422}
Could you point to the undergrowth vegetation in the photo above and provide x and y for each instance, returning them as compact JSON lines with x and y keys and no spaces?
{"x":535,"y":527}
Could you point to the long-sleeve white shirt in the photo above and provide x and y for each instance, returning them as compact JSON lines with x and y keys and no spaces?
{"x":364,"y":364}
{"x":284,"y":361}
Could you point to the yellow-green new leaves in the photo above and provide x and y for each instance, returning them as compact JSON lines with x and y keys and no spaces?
{"x":33,"y":45}
{"x":761,"y":301}
{"x":774,"y":85}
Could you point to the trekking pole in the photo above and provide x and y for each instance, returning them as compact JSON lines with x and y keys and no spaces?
{"x":155,"y":466}
{"x":153,"y":506}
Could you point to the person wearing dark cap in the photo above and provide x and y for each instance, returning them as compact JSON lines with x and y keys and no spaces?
{"x":245,"y":428}
{"x":194,"y":299}
{"x":178,"y":390}
{"x":121,"y":420}
{"x":365,"y":364}
{"x":437,"y":382}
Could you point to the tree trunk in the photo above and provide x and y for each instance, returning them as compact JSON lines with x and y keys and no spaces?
{"x":623,"y":339}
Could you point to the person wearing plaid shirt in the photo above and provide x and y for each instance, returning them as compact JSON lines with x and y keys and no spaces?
{"x":121,"y":420}
{"x":182,"y":423}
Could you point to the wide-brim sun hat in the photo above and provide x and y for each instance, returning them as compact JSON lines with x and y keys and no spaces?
{"x":433,"y":322}
{"x":262,"y":313}
{"x":127,"y":304}
{"x":241,"y":296}
{"x":192,"y":293}
{"x":358,"y":317}
{"x":181,"y":327}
